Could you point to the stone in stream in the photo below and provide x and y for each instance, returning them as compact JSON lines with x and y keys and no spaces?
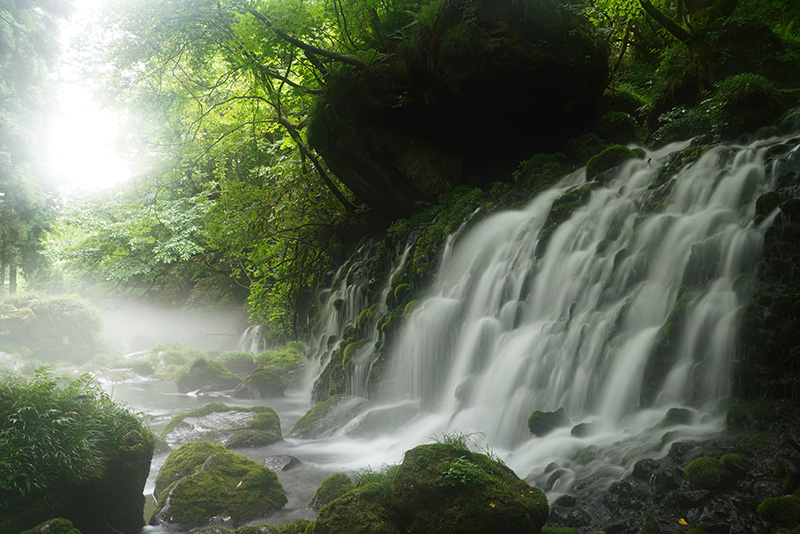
{"x":281,"y":462}
{"x":234,"y":427}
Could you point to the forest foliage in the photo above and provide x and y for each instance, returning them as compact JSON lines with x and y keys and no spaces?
{"x":235,"y":202}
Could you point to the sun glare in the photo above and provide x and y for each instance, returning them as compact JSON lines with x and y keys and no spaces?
{"x":85,"y":139}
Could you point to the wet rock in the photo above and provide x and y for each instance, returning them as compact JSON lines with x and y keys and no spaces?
{"x":542,"y":423}
{"x":327,"y":416}
{"x":333,"y":487}
{"x":53,"y":526}
{"x":205,"y":375}
{"x":231,"y":426}
{"x":645,"y":469}
{"x":211,"y":486}
{"x":281,"y":462}
{"x":261,"y":384}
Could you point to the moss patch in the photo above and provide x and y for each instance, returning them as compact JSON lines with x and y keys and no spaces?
{"x":53,"y":526}
{"x":333,"y":487}
{"x":225,"y":486}
{"x":783,"y":511}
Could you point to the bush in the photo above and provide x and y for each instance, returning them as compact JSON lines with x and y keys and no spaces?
{"x":56,"y":437}
{"x":743,"y":103}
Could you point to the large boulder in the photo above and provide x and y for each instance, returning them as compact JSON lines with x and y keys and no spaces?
{"x":205,"y":375}
{"x":233,"y":427}
{"x":211,"y":486}
{"x":463,"y":100}
{"x":261,"y":384}
{"x":442,"y":488}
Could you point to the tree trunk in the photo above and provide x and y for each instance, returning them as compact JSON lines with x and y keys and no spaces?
{"x":12,"y":278}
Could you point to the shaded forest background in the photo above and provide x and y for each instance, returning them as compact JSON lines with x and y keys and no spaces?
{"x":238,"y":107}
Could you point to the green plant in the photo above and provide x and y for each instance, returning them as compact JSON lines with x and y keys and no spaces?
{"x":56,"y":434}
{"x":462,"y":471}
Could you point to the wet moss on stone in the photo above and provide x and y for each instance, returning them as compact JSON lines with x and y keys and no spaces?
{"x":333,"y":487}
{"x":53,"y":526}
{"x":782,"y":511}
{"x":226,"y":487}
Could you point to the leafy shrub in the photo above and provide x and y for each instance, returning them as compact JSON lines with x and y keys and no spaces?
{"x":744,"y":102}
{"x":56,"y":435}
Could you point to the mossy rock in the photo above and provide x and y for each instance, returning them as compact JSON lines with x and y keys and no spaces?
{"x":782,"y":511}
{"x":715,"y":474}
{"x":225,"y":488}
{"x":286,"y":361}
{"x":53,"y":526}
{"x":205,"y":375}
{"x":237,"y":362}
{"x":219,"y":423}
{"x":326,"y":416}
{"x":330,"y":489}
{"x":442,"y":488}
{"x":261,"y":384}
{"x":609,"y":158}
{"x":677,"y":416}
{"x":542,"y":423}
{"x":365,"y":509}
{"x":183,"y":461}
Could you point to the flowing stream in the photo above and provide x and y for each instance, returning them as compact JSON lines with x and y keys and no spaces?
{"x":623,"y":310}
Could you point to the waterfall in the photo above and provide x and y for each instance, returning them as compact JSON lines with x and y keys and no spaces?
{"x":626,"y":308}
{"x":252,"y":340}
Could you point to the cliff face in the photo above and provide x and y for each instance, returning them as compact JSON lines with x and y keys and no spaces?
{"x":462,"y":100}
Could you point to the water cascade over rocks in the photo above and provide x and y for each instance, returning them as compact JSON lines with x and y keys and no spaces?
{"x":616,"y":311}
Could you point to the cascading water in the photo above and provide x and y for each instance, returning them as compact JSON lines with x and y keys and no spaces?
{"x":625,"y":309}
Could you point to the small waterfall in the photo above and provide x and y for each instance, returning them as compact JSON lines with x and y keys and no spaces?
{"x":531,"y":315}
{"x":621,"y":310}
{"x":252,"y":340}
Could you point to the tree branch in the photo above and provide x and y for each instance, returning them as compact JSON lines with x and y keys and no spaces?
{"x":667,"y":23}
{"x":308,"y":48}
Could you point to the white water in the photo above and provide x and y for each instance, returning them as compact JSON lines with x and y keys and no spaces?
{"x":513,"y":325}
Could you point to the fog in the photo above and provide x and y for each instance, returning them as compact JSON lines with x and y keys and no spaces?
{"x":133,"y":327}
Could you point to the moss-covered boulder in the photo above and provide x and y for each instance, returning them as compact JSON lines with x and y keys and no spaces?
{"x":183,"y":461}
{"x":223,"y":488}
{"x":782,"y":511}
{"x":333,"y":487}
{"x":261,"y":384}
{"x":286,"y":361}
{"x":609,"y":158}
{"x":715,"y":474}
{"x":542,"y":423}
{"x":205,"y":375}
{"x":442,"y":488}
{"x":327,"y":416}
{"x":53,"y":526}
{"x":363,"y":509}
{"x":228,"y":425}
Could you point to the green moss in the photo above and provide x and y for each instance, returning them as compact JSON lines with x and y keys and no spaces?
{"x":318,"y":412}
{"x":611,"y":157}
{"x":286,"y":361}
{"x":207,"y":375}
{"x":266,"y":419}
{"x":783,"y":511}
{"x":495,"y":501}
{"x":364,"y":509}
{"x":224,"y":482}
{"x":183,"y":461}
{"x":239,"y":363}
{"x":298,"y":526}
{"x":542,"y":423}
{"x":53,"y":526}
{"x":261,"y":383}
{"x":713,"y":474}
{"x":333,"y":487}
